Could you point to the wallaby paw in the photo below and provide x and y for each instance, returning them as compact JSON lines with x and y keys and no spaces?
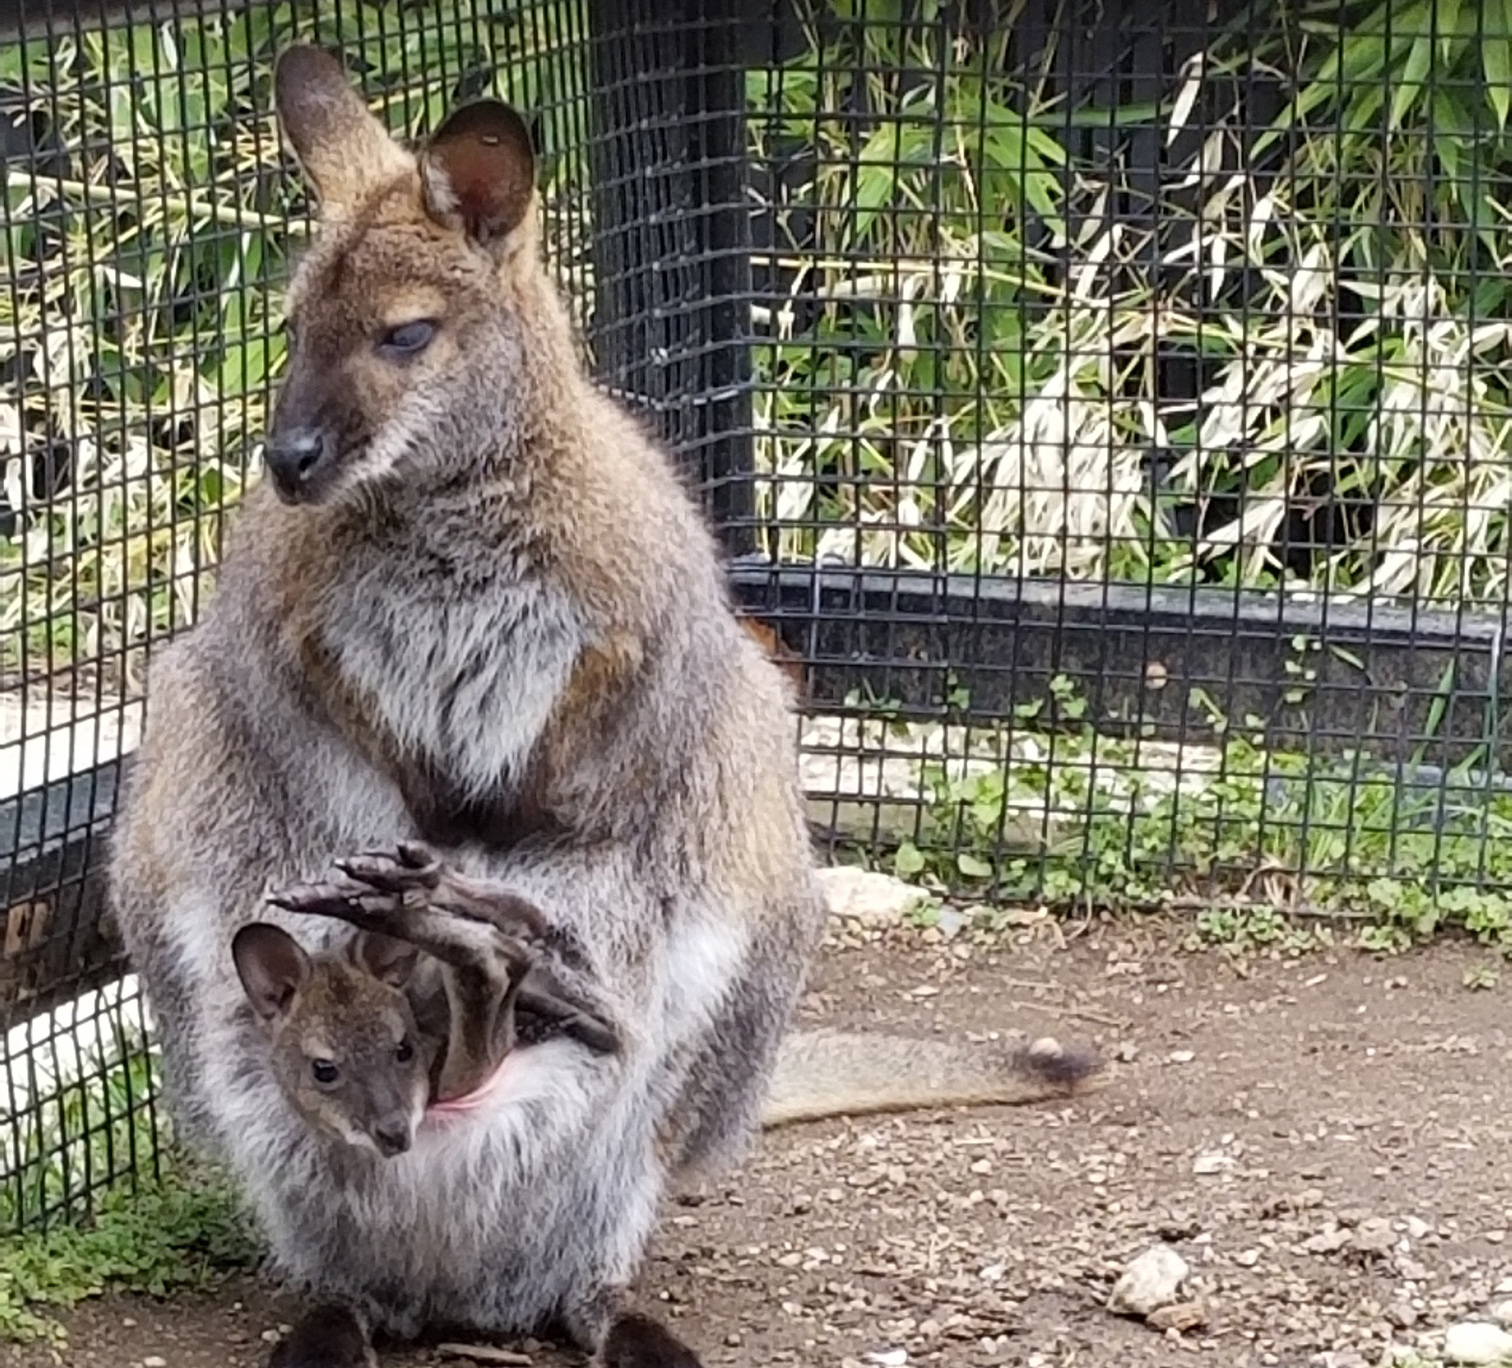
{"x":409,"y":868}
{"x":639,"y":1342}
{"x":363,"y":908}
{"x":327,"y":1337}
{"x":1070,"y":1068}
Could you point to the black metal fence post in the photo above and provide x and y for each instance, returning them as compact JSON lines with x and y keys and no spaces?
{"x":671,"y":326}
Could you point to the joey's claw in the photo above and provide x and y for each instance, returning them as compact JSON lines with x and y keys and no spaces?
{"x":387,"y":879}
{"x":311,"y":897}
{"x":417,"y":855}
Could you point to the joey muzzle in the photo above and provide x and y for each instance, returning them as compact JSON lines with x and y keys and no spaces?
{"x":392,"y":1134}
{"x":299,"y":461}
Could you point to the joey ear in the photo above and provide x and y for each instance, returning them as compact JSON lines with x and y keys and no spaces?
{"x":478,"y":171}
{"x":272,"y":965}
{"x":389,"y":960}
{"x":342,"y":148}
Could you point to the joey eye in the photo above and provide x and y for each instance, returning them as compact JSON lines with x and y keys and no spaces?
{"x":408,"y":339}
{"x":405,"y":1052}
{"x":324,"y":1072}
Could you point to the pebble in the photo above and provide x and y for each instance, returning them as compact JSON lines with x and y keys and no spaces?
{"x":1179,"y":1316}
{"x":1149,"y":1282}
{"x":1477,"y":1342}
{"x":867,"y":896}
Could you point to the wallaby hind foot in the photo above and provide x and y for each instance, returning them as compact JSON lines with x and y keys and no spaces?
{"x":603,"y":1326}
{"x":329,"y":1336}
{"x":411,"y":895}
{"x":637,"y":1341}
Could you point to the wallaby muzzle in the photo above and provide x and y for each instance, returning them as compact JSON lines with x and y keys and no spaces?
{"x":390,"y":1120}
{"x":298,"y":459}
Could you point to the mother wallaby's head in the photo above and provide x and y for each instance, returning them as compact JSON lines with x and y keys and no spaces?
{"x":424,"y":332}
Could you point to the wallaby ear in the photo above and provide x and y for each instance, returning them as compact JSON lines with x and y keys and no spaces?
{"x":478,"y":171}
{"x":341,"y":147}
{"x":388,"y":960}
{"x":273,"y":967}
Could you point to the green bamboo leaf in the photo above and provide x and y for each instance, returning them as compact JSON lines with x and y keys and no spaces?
{"x":1410,"y":84}
{"x":1496,"y":60}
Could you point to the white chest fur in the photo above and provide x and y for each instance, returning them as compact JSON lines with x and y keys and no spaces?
{"x":464,"y":674}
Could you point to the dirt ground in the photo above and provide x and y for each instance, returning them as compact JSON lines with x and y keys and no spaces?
{"x":1325,"y":1140}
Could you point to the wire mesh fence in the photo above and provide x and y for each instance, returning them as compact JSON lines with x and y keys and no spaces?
{"x":1105,"y":405}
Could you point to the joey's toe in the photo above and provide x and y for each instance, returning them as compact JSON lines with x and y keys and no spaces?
{"x":391,"y":874}
{"x":313,"y":897}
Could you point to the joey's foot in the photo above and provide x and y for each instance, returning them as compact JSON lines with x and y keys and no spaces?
{"x":409,"y":868}
{"x":327,"y":1337}
{"x":415,"y":874}
{"x":639,"y":1342}
{"x":382,"y":884}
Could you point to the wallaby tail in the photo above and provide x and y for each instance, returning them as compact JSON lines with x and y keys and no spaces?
{"x":826,"y":1073}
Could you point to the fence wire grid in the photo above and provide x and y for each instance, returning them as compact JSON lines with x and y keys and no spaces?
{"x":1105,"y":407}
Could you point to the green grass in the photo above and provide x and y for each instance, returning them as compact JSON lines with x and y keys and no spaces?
{"x":1048,"y":810}
{"x":94,"y":1195}
{"x":72,"y":1126}
{"x":184,"y":1233}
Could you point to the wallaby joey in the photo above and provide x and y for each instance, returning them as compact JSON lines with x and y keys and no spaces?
{"x":346,"y":1049}
{"x":471,"y":604}
{"x":496,"y":993}
{"x":470,"y":928}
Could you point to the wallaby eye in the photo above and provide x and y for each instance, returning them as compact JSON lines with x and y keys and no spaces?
{"x":408,"y":339}
{"x":324,"y":1071}
{"x":405,"y":1052}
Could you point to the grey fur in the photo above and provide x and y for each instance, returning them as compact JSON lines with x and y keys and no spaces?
{"x":496,"y":623}
{"x":456,"y":585}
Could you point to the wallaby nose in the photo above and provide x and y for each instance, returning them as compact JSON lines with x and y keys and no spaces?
{"x":392,"y":1135}
{"x":293,"y":457}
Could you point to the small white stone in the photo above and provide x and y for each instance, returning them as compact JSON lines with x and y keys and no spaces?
{"x":868,"y":896}
{"x":1477,"y":1342}
{"x":1503,"y":1312}
{"x":1207,"y":1164}
{"x":154,"y":1361}
{"x":1149,"y":1282}
{"x":889,"y":1358}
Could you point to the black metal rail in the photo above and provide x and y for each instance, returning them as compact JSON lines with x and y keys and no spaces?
{"x":1138,"y":655}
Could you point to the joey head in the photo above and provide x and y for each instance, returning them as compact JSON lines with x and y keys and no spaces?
{"x":344,"y":1044}
{"x":479,"y":988}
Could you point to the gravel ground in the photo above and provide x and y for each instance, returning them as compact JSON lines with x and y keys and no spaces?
{"x":1322,"y":1139}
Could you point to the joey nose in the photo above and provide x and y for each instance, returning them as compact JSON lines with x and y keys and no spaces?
{"x":392,"y":1135}
{"x":294,"y":458}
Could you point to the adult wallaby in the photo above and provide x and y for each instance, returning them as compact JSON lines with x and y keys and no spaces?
{"x":472,"y":605}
